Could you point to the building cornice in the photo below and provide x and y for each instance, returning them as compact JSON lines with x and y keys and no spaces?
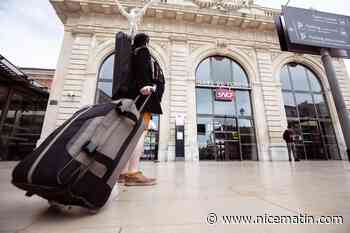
{"x":187,"y":13}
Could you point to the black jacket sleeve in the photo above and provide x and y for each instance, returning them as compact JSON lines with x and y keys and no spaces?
{"x":143,"y":68}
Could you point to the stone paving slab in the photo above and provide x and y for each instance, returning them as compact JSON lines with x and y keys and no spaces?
{"x":187,"y":192}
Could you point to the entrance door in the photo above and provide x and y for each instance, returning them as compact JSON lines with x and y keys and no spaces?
{"x":226,"y":139}
{"x":225,"y":125}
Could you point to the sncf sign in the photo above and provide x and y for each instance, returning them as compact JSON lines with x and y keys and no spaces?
{"x":223,"y":94}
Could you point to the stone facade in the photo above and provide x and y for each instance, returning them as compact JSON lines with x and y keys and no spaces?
{"x":182,"y":35}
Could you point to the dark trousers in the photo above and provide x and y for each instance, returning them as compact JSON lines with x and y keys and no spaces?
{"x":291,"y":151}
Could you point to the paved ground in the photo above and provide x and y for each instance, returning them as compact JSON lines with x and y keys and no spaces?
{"x":188,"y":192}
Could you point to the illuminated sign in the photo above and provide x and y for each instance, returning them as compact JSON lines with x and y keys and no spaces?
{"x":223,"y":94}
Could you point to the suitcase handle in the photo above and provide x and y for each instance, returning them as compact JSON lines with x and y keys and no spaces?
{"x":154,"y":88}
{"x":90,"y":147}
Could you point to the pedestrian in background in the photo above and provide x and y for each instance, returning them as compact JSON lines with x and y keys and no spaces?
{"x":289,"y":136}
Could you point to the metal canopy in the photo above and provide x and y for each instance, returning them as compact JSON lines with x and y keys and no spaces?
{"x":9,"y":73}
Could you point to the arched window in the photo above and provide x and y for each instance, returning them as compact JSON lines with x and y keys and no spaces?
{"x":104,"y":95}
{"x":225,"y":125}
{"x":105,"y":81}
{"x":219,"y":70}
{"x":308,"y":113}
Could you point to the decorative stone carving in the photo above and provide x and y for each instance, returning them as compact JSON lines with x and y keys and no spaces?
{"x":221,"y":43}
{"x":225,"y":5}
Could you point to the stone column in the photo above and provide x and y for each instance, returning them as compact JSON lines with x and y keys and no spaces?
{"x":51,"y":114}
{"x":272,"y":101}
{"x":73,"y":95}
{"x":68,"y":93}
{"x":178,"y":92}
{"x":260,"y":122}
{"x":344,"y":84}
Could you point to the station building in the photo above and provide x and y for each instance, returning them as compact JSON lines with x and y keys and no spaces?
{"x":226,"y":77}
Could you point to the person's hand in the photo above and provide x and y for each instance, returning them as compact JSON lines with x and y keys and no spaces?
{"x":146,"y":90}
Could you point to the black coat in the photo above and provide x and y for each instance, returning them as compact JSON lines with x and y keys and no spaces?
{"x":142,"y":75}
{"x":288,"y":136}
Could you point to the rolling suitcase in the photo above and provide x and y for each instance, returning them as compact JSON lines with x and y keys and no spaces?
{"x":80,"y":162}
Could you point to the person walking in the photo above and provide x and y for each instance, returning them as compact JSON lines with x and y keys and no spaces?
{"x":144,"y":79}
{"x":289,"y":138}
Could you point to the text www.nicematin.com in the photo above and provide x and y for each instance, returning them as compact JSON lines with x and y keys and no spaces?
{"x":213,"y":219}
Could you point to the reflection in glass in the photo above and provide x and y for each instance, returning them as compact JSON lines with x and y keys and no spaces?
{"x":315,"y":130}
{"x":315,"y":151}
{"x":221,"y":69}
{"x":104,"y":92}
{"x":204,"y":101}
{"x":224,"y":124}
{"x":106,"y":71}
{"x":308,"y":126}
{"x":247,"y":139}
{"x":327,"y":128}
{"x":285,"y":79}
{"x":246,"y":126}
{"x":104,"y":87}
{"x":243,"y":103}
{"x":305,"y":105}
{"x":289,"y":104}
{"x":151,"y":140}
{"x":239,"y":76}
{"x":224,"y":108}
{"x":299,"y":79}
{"x":203,"y":71}
{"x":321,"y":106}
{"x":314,"y":82}
{"x":249,"y":152}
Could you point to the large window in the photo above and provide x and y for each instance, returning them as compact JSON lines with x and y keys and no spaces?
{"x":308,"y":113}
{"x":225,"y":127}
{"x":104,"y":95}
{"x":22,"y":115}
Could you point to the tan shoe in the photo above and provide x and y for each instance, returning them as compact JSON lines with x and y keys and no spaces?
{"x":138,"y":179}
{"x":121,"y":178}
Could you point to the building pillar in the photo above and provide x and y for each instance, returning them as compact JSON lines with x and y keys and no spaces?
{"x":51,"y":114}
{"x":344,"y":85}
{"x":178,"y":91}
{"x":261,"y":129}
{"x":68,"y":93}
{"x":271,"y":96}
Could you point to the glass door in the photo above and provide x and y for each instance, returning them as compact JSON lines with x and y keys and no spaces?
{"x":227,"y":138}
